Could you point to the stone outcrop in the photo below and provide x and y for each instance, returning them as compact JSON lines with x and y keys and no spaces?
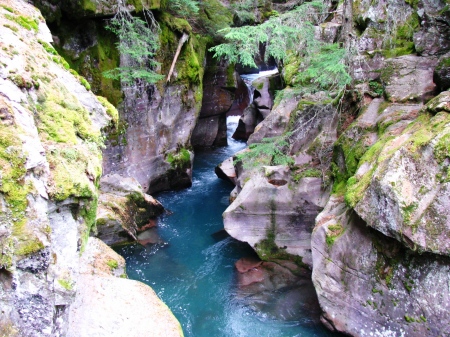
{"x":275,"y":207}
{"x":375,"y":254}
{"x":106,"y":304}
{"x":225,"y":93}
{"x":263,"y":96}
{"x":407,"y":196}
{"x":51,"y":162}
{"x":124,"y":210}
{"x":369,"y":284}
{"x":441,"y":75}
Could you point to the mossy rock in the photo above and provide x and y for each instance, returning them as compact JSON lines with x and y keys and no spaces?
{"x":98,"y":56}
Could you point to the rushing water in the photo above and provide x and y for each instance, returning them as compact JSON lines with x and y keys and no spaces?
{"x":192,"y":270}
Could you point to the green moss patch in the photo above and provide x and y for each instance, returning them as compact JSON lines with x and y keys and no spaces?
{"x":62,"y":118}
{"x":267,"y":250}
{"x":24,"y":21}
{"x":333,"y":233}
{"x":92,"y":62}
{"x":66,"y":284}
{"x":401,"y":41}
{"x":112,"y":264}
{"x":179,"y":160}
{"x":420,"y":133}
{"x":110,"y":110}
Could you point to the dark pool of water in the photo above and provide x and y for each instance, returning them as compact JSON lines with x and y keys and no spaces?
{"x":194,"y":272}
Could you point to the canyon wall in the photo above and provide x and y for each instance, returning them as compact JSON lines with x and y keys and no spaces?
{"x":373,"y":165}
{"x":51,"y":163}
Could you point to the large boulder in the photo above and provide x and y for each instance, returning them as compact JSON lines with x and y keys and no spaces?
{"x":369,"y":284}
{"x":124,"y":210}
{"x":108,"y":304}
{"x":401,"y":185}
{"x":409,"y":78}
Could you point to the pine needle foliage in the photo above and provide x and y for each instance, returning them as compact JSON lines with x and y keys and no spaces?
{"x":290,"y":31}
{"x":184,"y":8}
{"x":326,"y":69}
{"x":322,"y":65}
{"x":138,"y":43}
{"x":271,"y":151}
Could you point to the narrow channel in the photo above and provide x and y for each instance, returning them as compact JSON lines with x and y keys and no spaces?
{"x":191,"y":267}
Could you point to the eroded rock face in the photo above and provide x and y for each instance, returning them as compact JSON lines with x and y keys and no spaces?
{"x":124,"y":210}
{"x":369,"y":284}
{"x":275,"y":215}
{"x":274,"y":207}
{"x":224,"y":94}
{"x":260,"y":108}
{"x":156,"y":121}
{"x":159,"y":125}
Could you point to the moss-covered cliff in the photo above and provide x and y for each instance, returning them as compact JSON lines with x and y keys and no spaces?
{"x":51,"y":144}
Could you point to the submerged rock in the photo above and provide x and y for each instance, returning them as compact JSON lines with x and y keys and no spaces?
{"x":279,"y":290}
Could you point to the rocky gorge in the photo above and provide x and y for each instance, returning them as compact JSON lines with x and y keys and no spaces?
{"x":348,"y":188}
